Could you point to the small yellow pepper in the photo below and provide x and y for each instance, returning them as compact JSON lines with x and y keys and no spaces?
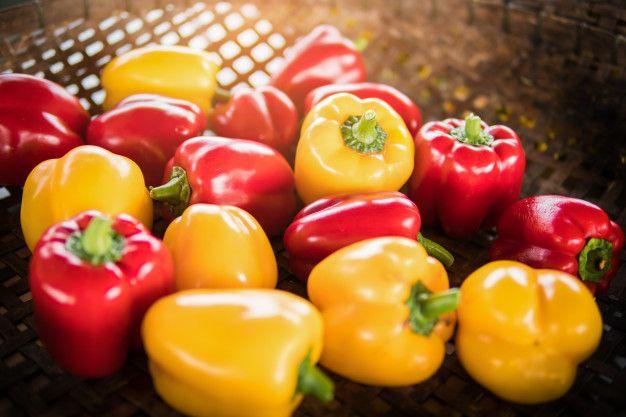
{"x":523,"y":331}
{"x":220,"y":247}
{"x":235,"y":353}
{"x":348,"y":145}
{"x":387,"y":311}
{"x":85,"y":178}
{"x":172,"y":71}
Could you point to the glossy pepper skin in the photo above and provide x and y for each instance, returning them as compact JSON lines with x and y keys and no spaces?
{"x":147,"y":128}
{"x":39,"y":120}
{"x":348,"y":146}
{"x":171,"y":71}
{"x":466,"y":173}
{"x":387,"y":311}
{"x":398,"y":101}
{"x":235,"y":353}
{"x":236,"y":172}
{"x":263,"y":114}
{"x":523,"y":331}
{"x":556,"y":232}
{"x":220,"y":247}
{"x":329,"y":224}
{"x":87,"y":177}
{"x":92,"y":279}
{"x":320,"y":58}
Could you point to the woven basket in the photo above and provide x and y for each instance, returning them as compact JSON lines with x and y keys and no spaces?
{"x":552,"y":70}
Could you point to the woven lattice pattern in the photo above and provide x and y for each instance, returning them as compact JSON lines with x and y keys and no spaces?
{"x":551,"y":70}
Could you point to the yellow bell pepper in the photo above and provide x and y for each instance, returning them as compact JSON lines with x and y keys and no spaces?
{"x":85,"y":178}
{"x":348,"y":145}
{"x":235,"y":353}
{"x":220,"y":247}
{"x":387,"y":311}
{"x":172,"y":71}
{"x":523,"y":331}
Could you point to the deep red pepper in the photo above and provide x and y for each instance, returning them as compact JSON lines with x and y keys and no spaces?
{"x":236,"y":172}
{"x":147,"y":128}
{"x":556,"y":232}
{"x":320,"y":58}
{"x":92,"y":279}
{"x":329,"y":224}
{"x":39,"y":120}
{"x":401,"y":103}
{"x":465,"y":173}
{"x":263,"y":114}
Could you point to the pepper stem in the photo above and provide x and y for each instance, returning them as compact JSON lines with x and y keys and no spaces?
{"x":363,"y":133}
{"x":312,"y":381}
{"x":221,"y":95}
{"x":471,"y":132}
{"x":176,"y":192}
{"x":437,"y":251}
{"x":98,"y":243}
{"x":594,"y":261}
{"x":426,"y":307}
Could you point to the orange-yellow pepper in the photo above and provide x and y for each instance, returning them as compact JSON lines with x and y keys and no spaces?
{"x":235,"y":353}
{"x":220,"y":247}
{"x":387,"y":311}
{"x":348,"y":145}
{"x":523,"y":331}
{"x":85,"y":178}
{"x":171,"y":71}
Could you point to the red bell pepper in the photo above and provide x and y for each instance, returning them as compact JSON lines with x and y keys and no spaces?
{"x":147,"y":128}
{"x":264,"y":115}
{"x":322,"y":57}
{"x":329,"y":224}
{"x":92,"y":279}
{"x":466,"y":173}
{"x":402,"y":104}
{"x":39,"y":120}
{"x":555,"y":232}
{"x":234,"y":172}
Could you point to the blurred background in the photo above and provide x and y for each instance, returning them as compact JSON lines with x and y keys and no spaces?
{"x":553,"y":70}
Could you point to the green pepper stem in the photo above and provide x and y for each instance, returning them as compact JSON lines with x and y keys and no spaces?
{"x":97,"y":238}
{"x":594,"y":261}
{"x":98,"y":243}
{"x":472,"y":132}
{"x":312,"y":381}
{"x":425,"y":307}
{"x":437,"y":251}
{"x":440,"y":303}
{"x":221,"y":95}
{"x":365,"y":129}
{"x":176,"y":192}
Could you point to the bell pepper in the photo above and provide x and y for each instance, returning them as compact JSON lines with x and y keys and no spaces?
{"x":329,"y":224}
{"x":87,"y":177}
{"x":171,"y":71}
{"x":320,"y":58}
{"x":398,"y":101}
{"x":387,"y":311}
{"x":237,"y":353}
{"x":264,"y":114}
{"x":147,"y":128}
{"x":39,"y":120}
{"x":522,"y":331}
{"x":220,"y":247}
{"x":236,"y":172}
{"x":92,"y":278}
{"x":466,"y":173}
{"x":348,"y":146}
{"x":556,"y":232}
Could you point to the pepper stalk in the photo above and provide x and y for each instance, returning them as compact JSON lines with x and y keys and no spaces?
{"x":425,"y":307}
{"x":363,"y":133}
{"x":175,"y":193}
{"x":594,"y":261}
{"x":98,"y":243}
{"x":312,"y":381}
{"x":471,"y":132}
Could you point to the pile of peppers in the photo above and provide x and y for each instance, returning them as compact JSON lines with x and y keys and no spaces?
{"x":343,"y":170}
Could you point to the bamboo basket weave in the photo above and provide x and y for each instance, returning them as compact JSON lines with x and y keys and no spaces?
{"x":553,"y":70}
